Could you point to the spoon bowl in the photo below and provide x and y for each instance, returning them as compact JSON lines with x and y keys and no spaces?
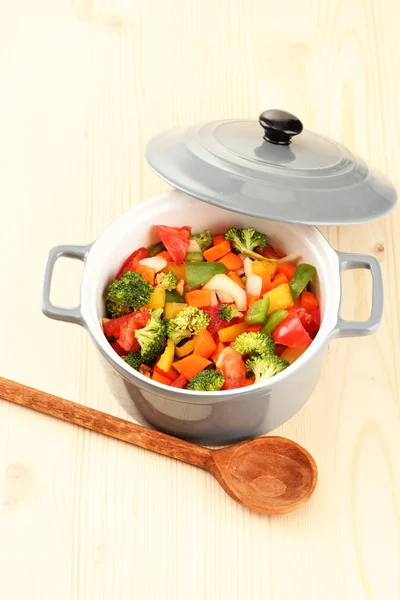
{"x":273,"y":475}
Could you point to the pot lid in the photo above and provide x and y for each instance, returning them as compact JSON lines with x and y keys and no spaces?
{"x":272,"y":168}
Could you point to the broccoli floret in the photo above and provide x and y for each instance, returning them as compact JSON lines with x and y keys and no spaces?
{"x":204,"y":240}
{"x":206,"y":381}
{"x":188,"y":322}
{"x":152,"y":338}
{"x":175,"y":333}
{"x":245,"y":240}
{"x":254,"y":342}
{"x":127,"y":294}
{"x":266,"y":366}
{"x":227,"y":313}
{"x":115,"y":310}
{"x":167,"y":280}
{"x":134,"y":359}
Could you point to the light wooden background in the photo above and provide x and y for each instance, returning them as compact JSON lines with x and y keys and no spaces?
{"x":83,"y":86}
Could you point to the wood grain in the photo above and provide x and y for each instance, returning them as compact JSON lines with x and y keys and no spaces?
{"x":83,"y":86}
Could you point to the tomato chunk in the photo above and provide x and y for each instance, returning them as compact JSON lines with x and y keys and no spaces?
{"x":112,"y":328}
{"x":176,"y":241}
{"x":126,"y":338}
{"x":233,"y":368}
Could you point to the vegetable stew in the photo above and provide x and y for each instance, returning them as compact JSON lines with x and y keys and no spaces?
{"x":208,"y":312}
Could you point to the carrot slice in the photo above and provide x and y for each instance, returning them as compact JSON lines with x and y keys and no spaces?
{"x":198,"y":298}
{"x":216,"y":252}
{"x":288,"y":269}
{"x":205,"y":345}
{"x":235,"y":277}
{"x":218,"y":239}
{"x":266,"y":283}
{"x":308,"y":300}
{"x":171,"y":373}
{"x":166,"y":255}
{"x":250,"y":300}
{"x":278,"y":280}
{"x":160,"y":378}
{"x":249,"y":381}
{"x":147,"y":273}
{"x":232,"y":261}
{"x":214,"y":356}
{"x":191,"y":365}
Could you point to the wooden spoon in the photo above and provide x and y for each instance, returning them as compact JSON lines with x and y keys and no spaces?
{"x":271,"y":475}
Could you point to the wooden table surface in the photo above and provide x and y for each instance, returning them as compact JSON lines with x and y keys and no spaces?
{"x":83,"y":86}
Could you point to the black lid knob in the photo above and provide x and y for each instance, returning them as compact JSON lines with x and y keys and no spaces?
{"x":279,"y":126}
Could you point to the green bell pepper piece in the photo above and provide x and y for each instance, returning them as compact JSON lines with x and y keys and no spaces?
{"x":257,"y":312}
{"x":156,"y":249}
{"x":173,"y":296}
{"x":194,"y":257}
{"x":198,"y":273}
{"x":302,"y":276}
{"x":274,"y":319}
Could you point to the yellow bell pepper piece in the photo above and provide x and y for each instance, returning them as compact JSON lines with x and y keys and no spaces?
{"x":167,"y":357}
{"x":229,"y":334}
{"x":292,"y":354}
{"x":178,"y":270}
{"x":186,"y":349}
{"x":157,"y":298}
{"x":280,"y":298}
{"x":172,"y":309}
{"x":264,"y":268}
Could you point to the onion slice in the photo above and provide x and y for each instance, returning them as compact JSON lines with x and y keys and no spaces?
{"x":248,"y":266}
{"x":224,"y":297}
{"x":155,"y":262}
{"x":214,"y":299}
{"x":254,"y":285}
{"x":193,"y":246}
{"x":222,"y":283}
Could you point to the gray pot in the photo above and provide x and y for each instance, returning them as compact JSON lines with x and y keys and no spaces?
{"x":225,"y":416}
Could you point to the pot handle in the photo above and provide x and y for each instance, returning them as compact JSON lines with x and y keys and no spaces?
{"x":345,"y":328}
{"x":72,"y":315}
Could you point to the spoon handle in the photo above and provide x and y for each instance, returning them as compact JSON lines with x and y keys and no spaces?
{"x":104,"y":423}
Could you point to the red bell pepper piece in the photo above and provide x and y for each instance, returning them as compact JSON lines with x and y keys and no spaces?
{"x":291,"y":332}
{"x":180,"y":382}
{"x":120,"y":351}
{"x":233,"y":368}
{"x":311,"y":320}
{"x":132,"y":261}
{"x":280,"y":350}
{"x":176,"y":241}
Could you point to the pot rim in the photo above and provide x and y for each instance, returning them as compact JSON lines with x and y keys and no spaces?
{"x":91,"y":323}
